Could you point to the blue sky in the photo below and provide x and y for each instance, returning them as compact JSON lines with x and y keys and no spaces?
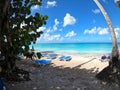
{"x":77,"y":21}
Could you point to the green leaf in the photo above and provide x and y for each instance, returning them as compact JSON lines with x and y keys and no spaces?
{"x":39,"y":55}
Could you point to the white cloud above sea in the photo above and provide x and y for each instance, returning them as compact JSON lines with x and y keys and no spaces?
{"x":70,"y":34}
{"x":55,"y":26}
{"x":102,"y":31}
{"x":96,"y":11}
{"x":54,"y":33}
{"x":51,"y":4}
{"x":95,"y":30}
{"x":69,"y":20}
{"x":49,"y":36}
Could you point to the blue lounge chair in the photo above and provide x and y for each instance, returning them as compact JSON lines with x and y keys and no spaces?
{"x":67,"y":58}
{"x":43,"y":61}
{"x":61,"y":58}
{"x":44,"y":54}
{"x":52,"y":56}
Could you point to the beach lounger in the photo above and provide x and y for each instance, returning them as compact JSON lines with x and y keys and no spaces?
{"x":42,"y":61}
{"x":67,"y":58}
{"x":43,"y":54}
{"x":52,"y":56}
{"x":61,"y":58}
{"x":105,"y":58}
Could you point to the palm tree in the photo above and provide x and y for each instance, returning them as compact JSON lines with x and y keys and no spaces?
{"x":114,"y":62}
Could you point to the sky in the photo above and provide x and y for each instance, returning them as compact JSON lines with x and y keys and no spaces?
{"x":77,"y":21}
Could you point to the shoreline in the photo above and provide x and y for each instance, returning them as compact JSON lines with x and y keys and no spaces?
{"x":76,"y":53}
{"x":78,"y":48}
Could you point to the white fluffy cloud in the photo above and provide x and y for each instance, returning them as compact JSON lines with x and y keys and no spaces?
{"x":92,"y":31}
{"x":41,"y":29}
{"x":56,"y":24}
{"x":96,"y":11}
{"x":99,"y":30}
{"x":35,"y":7}
{"x":102,"y":31}
{"x":51,"y":3}
{"x":69,"y":20}
{"x":70,"y":34}
{"x":117,"y":32}
{"x":48,"y":35}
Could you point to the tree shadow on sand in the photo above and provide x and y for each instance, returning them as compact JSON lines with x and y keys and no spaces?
{"x":52,"y":77}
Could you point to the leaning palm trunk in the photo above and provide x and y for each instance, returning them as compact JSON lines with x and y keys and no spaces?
{"x":115,"y":51}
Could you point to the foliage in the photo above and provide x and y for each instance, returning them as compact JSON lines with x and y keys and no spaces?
{"x":117,"y":3}
{"x":18,"y":28}
{"x":39,"y":55}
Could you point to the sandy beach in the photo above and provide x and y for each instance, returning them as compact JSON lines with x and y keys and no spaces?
{"x":76,"y":74}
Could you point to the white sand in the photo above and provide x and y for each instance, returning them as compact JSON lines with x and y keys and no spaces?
{"x":82,"y":61}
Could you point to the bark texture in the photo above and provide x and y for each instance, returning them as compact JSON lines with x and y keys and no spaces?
{"x":115,"y":51}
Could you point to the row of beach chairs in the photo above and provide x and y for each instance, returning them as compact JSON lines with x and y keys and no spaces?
{"x":54,"y":56}
{"x":48,"y":58}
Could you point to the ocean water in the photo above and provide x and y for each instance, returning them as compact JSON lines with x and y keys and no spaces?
{"x":80,"y":48}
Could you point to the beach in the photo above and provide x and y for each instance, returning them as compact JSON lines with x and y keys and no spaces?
{"x":76,"y":74}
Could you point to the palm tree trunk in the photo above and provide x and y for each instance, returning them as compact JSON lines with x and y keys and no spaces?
{"x":115,"y":50}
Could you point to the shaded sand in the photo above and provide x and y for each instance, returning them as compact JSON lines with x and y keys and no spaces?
{"x":77,"y":74}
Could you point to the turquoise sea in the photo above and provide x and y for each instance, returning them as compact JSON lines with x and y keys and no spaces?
{"x":79,"y":48}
